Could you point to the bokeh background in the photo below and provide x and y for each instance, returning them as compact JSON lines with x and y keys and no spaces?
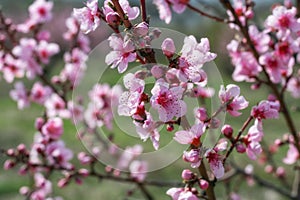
{"x":18,"y":126}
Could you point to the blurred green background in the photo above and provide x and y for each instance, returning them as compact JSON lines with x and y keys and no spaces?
{"x":18,"y":126}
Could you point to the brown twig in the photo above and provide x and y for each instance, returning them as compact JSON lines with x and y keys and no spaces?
{"x":245,"y":125}
{"x":197,"y":10}
{"x":143,"y":10}
{"x":122,"y":15}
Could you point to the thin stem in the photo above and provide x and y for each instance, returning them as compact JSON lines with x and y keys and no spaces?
{"x":210,"y":190}
{"x":145,"y":191}
{"x":202,"y":169}
{"x":247,"y":122}
{"x":121,"y":13}
{"x":298,"y":8}
{"x":264,"y":183}
{"x":143,"y":10}
{"x":197,"y":10}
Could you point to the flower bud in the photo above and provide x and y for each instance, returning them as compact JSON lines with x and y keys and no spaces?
{"x":23,"y":170}
{"x":187,"y":174}
{"x":39,"y":122}
{"x":170,"y":127}
{"x":203,"y":184}
{"x":240,"y":148}
{"x":280,"y":172}
{"x":269,"y":169}
{"x":24,"y":190}
{"x":83,"y":172}
{"x":10,"y":152}
{"x":63,"y":182}
{"x":113,"y":19}
{"x":9,"y":164}
{"x":168,"y":47}
{"x":141,"y":29}
{"x":227,"y":131}
{"x":201,"y":114}
{"x":21,"y":148}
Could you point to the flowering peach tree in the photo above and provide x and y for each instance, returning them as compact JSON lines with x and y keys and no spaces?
{"x":155,"y":96}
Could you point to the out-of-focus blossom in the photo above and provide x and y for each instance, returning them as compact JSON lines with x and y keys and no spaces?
{"x":19,"y":94}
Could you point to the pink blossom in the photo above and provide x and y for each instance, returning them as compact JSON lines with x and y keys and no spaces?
{"x":293,"y":86}
{"x":168,"y":47}
{"x":84,"y":158}
{"x":122,"y":53}
{"x":158,"y":71}
{"x":246,"y":67}
{"x":181,"y":194}
{"x":234,"y":196}
{"x":83,"y":43}
{"x":131,"y":12}
{"x":41,"y":11}
{"x":241,"y":11}
{"x":167,"y":100}
{"x":253,"y":149}
{"x":72,"y":26}
{"x":203,"y":184}
{"x":25,"y":49}
{"x":19,"y":94}
{"x":58,"y":154}
{"x":138,"y":170}
{"x":45,"y":50}
{"x":179,"y":6}
{"x":88,"y":17}
{"x":43,"y":35}
{"x":12,"y":68}
{"x":193,"y":156}
{"x":227,"y":130}
{"x":282,"y":20}
{"x":128,"y":155}
{"x":43,"y":187}
{"x":202,"y":92}
{"x":76,"y":112}
{"x":260,"y":40}
{"x":26,"y":52}
{"x":56,"y":106}
{"x":141,"y":29}
{"x":75,"y":66}
{"x":215,"y":160}
{"x":192,"y":136}
{"x":53,"y":128}
{"x":252,"y":139}
{"x":200,"y":114}
{"x":99,"y":111}
{"x":285,"y":50}
{"x":266,"y":110}
{"x":193,"y":56}
{"x":40,"y":93}
{"x":187,"y":174}
{"x":230,"y":97}
{"x":148,"y":129}
{"x":292,"y":155}
{"x":255,"y":132}
{"x":164,"y":10}
{"x":130,"y":100}
{"x":274,"y":66}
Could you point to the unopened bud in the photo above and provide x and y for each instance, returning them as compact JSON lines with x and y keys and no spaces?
{"x":227,"y":131}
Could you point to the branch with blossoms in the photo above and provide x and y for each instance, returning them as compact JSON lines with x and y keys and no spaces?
{"x":263,"y":58}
